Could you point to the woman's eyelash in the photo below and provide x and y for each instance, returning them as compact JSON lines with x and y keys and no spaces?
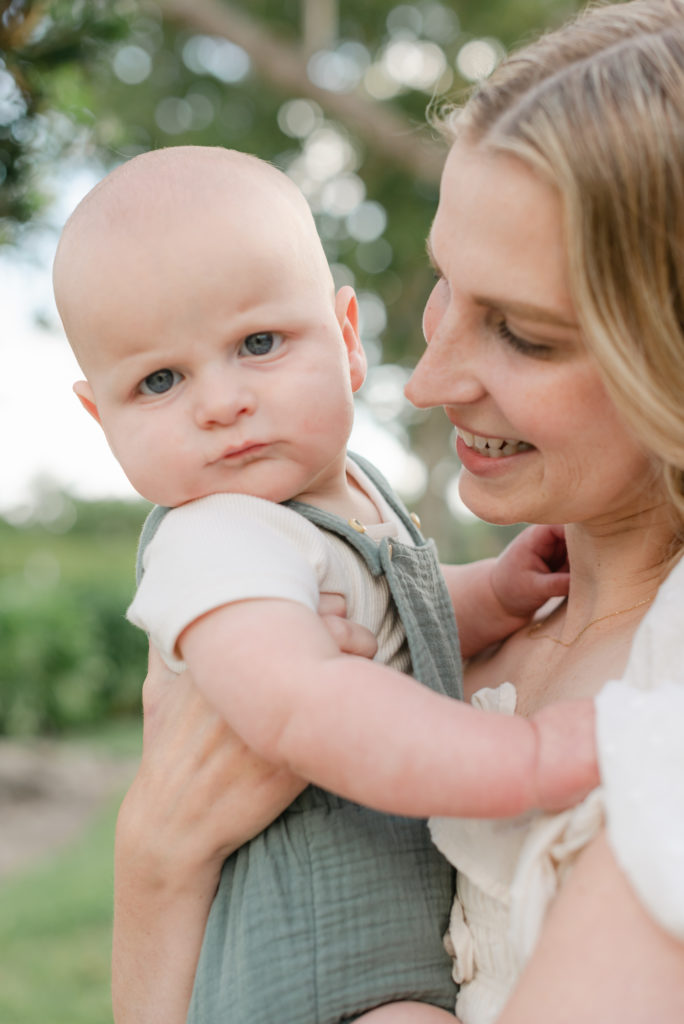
{"x":518,"y":343}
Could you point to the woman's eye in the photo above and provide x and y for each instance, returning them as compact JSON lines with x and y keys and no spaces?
{"x":264,"y":343}
{"x":528,"y":348}
{"x":159,"y":382}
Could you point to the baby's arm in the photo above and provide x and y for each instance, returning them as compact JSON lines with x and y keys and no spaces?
{"x":374,"y":735}
{"x":495,"y":596}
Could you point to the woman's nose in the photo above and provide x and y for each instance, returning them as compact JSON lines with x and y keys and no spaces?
{"x":222,"y":398}
{"x":446,"y":373}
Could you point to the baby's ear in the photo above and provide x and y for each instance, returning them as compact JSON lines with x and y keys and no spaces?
{"x":85,"y":396}
{"x":347,"y":312}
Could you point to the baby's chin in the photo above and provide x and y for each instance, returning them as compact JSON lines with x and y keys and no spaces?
{"x":168,"y":496}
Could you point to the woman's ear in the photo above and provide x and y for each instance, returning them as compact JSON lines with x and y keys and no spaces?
{"x":347,"y":312}
{"x":84,"y":392}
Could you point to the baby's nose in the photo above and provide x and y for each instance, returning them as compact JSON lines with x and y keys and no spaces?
{"x":221,"y":399}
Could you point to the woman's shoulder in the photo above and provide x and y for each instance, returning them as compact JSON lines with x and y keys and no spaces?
{"x":657,"y":651}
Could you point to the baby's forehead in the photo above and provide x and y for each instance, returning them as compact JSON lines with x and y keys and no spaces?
{"x":189,"y":204}
{"x":188,"y":177}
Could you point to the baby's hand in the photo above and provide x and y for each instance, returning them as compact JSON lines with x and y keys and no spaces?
{"x":530,"y":570}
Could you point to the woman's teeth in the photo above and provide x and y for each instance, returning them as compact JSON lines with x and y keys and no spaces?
{"x":493,"y":447}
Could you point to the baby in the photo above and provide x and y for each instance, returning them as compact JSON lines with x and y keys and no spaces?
{"x":221,"y":365}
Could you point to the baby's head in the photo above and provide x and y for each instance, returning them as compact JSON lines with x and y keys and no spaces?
{"x":195,"y":293}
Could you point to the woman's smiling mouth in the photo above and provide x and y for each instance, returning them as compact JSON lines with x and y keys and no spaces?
{"x":492,"y":447}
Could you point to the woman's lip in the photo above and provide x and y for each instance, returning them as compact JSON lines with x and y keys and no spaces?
{"x":478,"y":463}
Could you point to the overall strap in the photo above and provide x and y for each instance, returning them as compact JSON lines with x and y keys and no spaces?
{"x":416,"y":584}
{"x":149,"y":528}
{"x":349,"y":529}
{"x":390,"y":496}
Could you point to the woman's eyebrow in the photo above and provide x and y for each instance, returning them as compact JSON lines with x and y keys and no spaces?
{"x":527,"y":311}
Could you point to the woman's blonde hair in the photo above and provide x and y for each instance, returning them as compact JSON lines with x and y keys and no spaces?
{"x":597,"y":108}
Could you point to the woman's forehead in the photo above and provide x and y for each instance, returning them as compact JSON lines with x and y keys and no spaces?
{"x":499,"y":227}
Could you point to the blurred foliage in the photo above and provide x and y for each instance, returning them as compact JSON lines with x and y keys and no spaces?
{"x":105,"y":80}
{"x":68,"y":657}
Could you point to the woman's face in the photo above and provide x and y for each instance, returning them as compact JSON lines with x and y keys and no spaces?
{"x":538,"y":437}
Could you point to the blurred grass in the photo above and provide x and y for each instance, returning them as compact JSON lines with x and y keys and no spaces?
{"x":56,"y":917}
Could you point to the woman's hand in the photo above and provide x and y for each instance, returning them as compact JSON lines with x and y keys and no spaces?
{"x":350,"y":637}
{"x":199,"y":792}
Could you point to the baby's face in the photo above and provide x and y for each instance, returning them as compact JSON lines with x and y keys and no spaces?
{"x":216,"y":368}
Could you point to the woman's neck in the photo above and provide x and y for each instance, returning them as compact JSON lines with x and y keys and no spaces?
{"x":577,"y":644}
{"x":615,"y":570}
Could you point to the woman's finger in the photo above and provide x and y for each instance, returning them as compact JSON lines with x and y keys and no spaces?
{"x":350,"y":637}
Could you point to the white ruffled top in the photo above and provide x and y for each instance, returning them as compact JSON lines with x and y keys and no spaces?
{"x":510,"y":870}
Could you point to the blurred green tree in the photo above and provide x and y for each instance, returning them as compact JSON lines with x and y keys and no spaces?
{"x":332,"y":91}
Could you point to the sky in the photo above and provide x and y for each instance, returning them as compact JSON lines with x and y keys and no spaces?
{"x":46,"y":434}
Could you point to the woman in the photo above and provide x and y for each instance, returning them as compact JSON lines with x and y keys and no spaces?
{"x":556,"y":344}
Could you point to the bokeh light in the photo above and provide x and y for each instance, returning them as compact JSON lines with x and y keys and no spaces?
{"x":132,"y":64}
{"x":298,"y":118}
{"x":414,"y":64}
{"x":478,"y":58}
{"x":212,"y":55}
{"x":367,"y":221}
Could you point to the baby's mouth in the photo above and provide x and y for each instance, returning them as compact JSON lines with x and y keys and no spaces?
{"x":493,"y":447}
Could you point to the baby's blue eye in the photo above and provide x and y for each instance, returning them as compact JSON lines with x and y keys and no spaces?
{"x":264,"y":343}
{"x":159,"y":382}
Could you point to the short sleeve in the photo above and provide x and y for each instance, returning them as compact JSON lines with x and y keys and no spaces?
{"x":222,"y":549}
{"x":640,"y":735}
{"x":641,"y":751}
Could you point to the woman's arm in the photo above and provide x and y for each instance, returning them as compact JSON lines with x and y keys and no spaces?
{"x":600,"y":957}
{"x":198,"y":795}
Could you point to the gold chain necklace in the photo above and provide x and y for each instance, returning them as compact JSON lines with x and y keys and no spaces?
{"x":533,"y":631}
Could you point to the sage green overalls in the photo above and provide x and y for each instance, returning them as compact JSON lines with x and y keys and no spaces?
{"x":334,"y":908}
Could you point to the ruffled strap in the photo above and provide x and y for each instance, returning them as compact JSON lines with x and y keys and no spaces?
{"x":501,"y":699}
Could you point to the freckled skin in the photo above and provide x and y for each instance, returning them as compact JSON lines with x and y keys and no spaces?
{"x":508,"y":274}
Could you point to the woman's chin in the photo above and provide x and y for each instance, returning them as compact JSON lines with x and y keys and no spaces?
{"x":500,"y":510}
